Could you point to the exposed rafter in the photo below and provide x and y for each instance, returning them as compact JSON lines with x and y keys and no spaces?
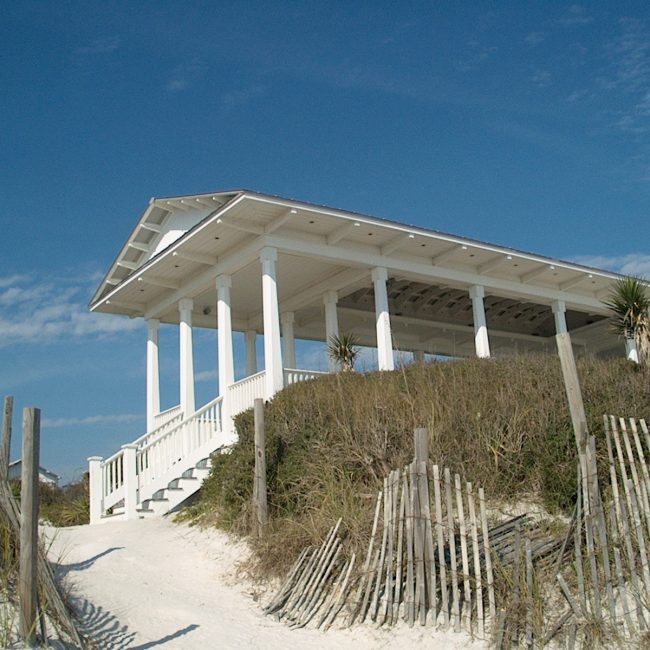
{"x":280,"y":221}
{"x":446,"y":254}
{"x":199,"y":258}
{"x":151,"y":226}
{"x":159,"y":282}
{"x":575,"y":281}
{"x":396,"y":243}
{"x":143,"y":248}
{"x":132,"y":266}
{"x":493,"y":264}
{"x":244,"y":227}
{"x":536,"y":273}
{"x":342,"y":232}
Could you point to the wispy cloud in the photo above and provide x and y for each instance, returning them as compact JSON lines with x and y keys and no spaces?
{"x":637,"y":264}
{"x":535,"y":38}
{"x":476,"y":54}
{"x":185,"y":75}
{"x":100,"y":46}
{"x":576,"y":15}
{"x":235,"y":98}
{"x":206,"y":375}
{"x":39,"y":311}
{"x":54,"y":423}
{"x":542,"y":78}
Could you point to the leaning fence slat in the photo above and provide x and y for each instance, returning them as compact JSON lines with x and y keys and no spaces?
{"x":382,"y":554}
{"x":409,"y":592}
{"x":418,"y":547}
{"x":429,"y":552}
{"x":486,"y":551}
{"x":397,"y":597}
{"x":365,"y":575}
{"x":467,"y":593}
{"x":477,"y":561}
{"x":452,"y":551}
{"x":622,"y":588}
{"x":444,"y":594}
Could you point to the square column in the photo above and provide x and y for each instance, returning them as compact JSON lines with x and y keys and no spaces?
{"x":153,"y":374}
{"x":384,"y":337}
{"x":559,"y":312}
{"x":287,"y":320}
{"x":224,"y":334}
{"x":331,"y":323}
{"x":272,"y":350}
{"x":481,"y":341}
{"x":185,"y":307}
{"x":251,"y":352}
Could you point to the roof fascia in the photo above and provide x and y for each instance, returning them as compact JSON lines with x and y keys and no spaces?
{"x":164,"y":253}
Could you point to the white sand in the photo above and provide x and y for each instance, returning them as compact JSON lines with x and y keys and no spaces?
{"x":153,"y":583}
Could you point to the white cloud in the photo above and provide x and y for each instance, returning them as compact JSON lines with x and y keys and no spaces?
{"x":43,"y":311}
{"x":235,"y":98}
{"x":637,"y":264}
{"x":100,"y":46}
{"x":206,"y":375}
{"x":576,"y":15}
{"x":185,"y":75}
{"x":542,"y":78}
{"x":91,"y":420}
{"x":535,"y":38}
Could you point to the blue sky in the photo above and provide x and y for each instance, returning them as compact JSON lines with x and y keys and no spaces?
{"x":519,"y":123}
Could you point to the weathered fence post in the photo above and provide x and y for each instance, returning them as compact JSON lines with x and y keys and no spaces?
{"x":578,"y":416}
{"x":95,"y":492}
{"x":6,"y":437}
{"x":130,"y":481}
{"x":29,"y":524}
{"x":259,"y":488}
{"x":421,"y":445}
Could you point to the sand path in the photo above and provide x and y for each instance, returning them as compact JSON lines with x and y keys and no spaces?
{"x":153,"y":583}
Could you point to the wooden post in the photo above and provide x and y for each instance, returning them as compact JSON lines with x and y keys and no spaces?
{"x":421,"y":445}
{"x":259,"y":491}
{"x":6,"y":437}
{"x":578,"y":419}
{"x":95,"y":490}
{"x":573,"y":391}
{"x":29,"y":525}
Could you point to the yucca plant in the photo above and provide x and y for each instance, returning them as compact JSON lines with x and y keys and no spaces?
{"x":629,"y":302}
{"x":343,"y":349}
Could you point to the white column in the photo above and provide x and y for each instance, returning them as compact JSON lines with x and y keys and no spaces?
{"x":251,"y":352}
{"x":559,"y":312}
{"x":95,"y":492}
{"x":153,"y":375}
{"x":418,"y":356}
{"x":289,"y":350}
{"x":331,"y":323}
{"x":272,"y":351}
{"x":631,"y":351}
{"x":384,"y":337}
{"x":185,"y":307}
{"x":129,"y":460}
{"x":224,"y":334}
{"x":481,"y":341}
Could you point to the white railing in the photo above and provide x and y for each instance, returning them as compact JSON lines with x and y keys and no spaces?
{"x":243,"y":393}
{"x":163,"y":418}
{"x":157,"y":455}
{"x":161,"y":455}
{"x":113,"y":480}
{"x":293,"y":375}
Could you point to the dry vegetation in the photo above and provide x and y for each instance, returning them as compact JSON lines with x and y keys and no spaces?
{"x":503,"y":424}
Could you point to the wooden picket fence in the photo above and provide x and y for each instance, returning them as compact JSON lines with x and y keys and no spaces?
{"x":432,"y":559}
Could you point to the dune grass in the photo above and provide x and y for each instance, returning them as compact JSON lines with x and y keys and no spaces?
{"x":503,"y":424}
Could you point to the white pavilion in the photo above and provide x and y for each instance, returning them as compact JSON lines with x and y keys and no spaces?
{"x":284,"y":270}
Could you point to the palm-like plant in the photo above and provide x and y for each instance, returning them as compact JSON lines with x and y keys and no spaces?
{"x":629,"y":301}
{"x":343,"y":349}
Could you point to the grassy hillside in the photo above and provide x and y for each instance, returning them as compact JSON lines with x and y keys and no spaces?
{"x":503,"y":424}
